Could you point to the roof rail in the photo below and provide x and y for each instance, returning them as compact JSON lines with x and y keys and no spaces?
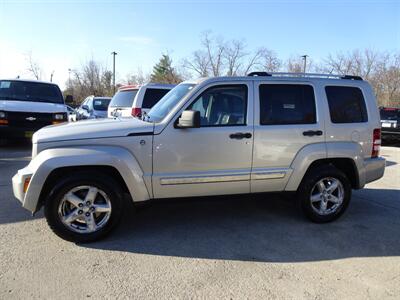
{"x":306,"y":75}
{"x":259,"y":74}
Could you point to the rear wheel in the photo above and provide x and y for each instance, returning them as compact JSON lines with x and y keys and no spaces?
{"x":324,"y":194}
{"x":84,"y":207}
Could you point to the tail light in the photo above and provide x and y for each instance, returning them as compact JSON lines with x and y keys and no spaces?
{"x":376,"y":142}
{"x":136,"y":112}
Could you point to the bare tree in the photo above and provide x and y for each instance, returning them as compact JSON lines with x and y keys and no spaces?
{"x":215,"y":49}
{"x":138,"y":77}
{"x":295,"y":64}
{"x":33,"y":67}
{"x":199,"y":63}
{"x":234,"y":54}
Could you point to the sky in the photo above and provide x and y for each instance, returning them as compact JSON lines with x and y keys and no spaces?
{"x":62,"y":35}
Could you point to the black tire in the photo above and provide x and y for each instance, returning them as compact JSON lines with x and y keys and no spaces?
{"x":306,"y":187}
{"x":105,"y":183}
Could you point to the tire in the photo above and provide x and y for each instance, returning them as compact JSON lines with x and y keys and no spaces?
{"x":319,"y":206}
{"x":105,"y":208}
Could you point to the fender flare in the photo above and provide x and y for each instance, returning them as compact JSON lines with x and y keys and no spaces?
{"x":51,"y":159}
{"x":311,"y":153}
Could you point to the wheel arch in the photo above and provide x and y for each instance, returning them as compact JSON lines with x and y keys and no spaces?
{"x":57,"y":162}
{"x":345,"y":156}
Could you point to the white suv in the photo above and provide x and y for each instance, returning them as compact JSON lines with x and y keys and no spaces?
{"x":317,"y":136}
{"x":135,"y":100}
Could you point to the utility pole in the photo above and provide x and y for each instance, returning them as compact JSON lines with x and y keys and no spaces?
{"x":305,"y":62}
{"x":113,"y":54}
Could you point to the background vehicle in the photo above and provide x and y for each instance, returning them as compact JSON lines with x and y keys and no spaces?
{"x":93,"y":108}
{"x":314,"y":135}
{"x":390,"y":122}
{"x":28,"y":105}
{"x":71,"y":114}
{"x":133,"y":100}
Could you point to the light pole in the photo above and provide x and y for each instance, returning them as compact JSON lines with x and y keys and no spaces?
{"x":113,"y":54}
{"x":305,"y":62}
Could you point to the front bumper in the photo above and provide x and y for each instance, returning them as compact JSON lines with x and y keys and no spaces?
{"x":374,"y":168}
{"x":10,"y":132}
{"x":18,"y":182}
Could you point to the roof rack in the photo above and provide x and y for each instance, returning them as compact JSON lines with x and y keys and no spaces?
{"x":305,"y":75}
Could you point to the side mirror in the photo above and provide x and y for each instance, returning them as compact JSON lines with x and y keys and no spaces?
{"x":85,"y":107}
{"x":189,"y":119}
{"x":69,"y":99}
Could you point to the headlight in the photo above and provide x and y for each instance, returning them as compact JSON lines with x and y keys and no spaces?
{"x":3,"y":115}
{"x":59,"y":117}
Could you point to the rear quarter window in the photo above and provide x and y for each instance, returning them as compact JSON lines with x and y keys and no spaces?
{"x":152,"y":96}
{"x":346,"y":104}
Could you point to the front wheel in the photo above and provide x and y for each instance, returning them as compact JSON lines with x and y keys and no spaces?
{"x":324,"y":194}
{"x":84,"y":207}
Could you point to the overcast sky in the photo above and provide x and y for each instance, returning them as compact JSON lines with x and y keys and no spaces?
{"x":64,"y":34}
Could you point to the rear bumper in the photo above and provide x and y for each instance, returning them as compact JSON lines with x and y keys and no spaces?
{"x":374,"y":168}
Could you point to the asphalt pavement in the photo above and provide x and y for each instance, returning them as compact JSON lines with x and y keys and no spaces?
{"x":241,"y":247}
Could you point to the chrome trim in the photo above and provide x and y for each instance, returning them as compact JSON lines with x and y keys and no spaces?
{"x":205,"y":179}
{"x":267,"y":175}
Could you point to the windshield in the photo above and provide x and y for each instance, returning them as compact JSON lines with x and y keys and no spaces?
{"x":101,"y":103}
{"x":390,"y":114}
{"x":168,"y":102}
{"x":123,"y":98}
{"x":30,"y":91}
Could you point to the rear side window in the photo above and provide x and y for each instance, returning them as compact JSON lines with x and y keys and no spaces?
{"x":283,"y":104}
{"x":152,"y":96}
{"x":346,"y":104}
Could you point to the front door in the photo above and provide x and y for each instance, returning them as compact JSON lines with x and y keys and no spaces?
{"x":214,"y":159}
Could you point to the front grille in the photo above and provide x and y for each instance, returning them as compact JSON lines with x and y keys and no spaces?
{"x":32,"y":121}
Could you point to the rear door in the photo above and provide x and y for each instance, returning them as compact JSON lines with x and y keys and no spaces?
{"x":286,"y":120}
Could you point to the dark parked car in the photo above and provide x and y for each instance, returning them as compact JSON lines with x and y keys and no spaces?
{"x":390,"y":122}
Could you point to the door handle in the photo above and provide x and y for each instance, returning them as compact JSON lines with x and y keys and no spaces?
{"x":312,"y":132}
{"x":240,"y":135}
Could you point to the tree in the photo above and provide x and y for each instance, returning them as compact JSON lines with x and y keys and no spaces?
{"x":91,"y":79}
{"x":33,"y":67}
{"x":138,"y":77}
{"x":164,"y":72}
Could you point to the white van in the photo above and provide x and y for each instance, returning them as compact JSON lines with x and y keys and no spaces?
{"x":28,"y":105}
{"x":133,"y":100}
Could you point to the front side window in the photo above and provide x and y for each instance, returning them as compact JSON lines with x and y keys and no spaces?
{"x":346,"y":104}
{"x":222,"y":106}
{"x":152,"y":96}
{"x":284,"y":104}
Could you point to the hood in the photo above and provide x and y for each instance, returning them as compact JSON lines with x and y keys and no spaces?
{"x":31,"y":106}
{"x":92,"y":129}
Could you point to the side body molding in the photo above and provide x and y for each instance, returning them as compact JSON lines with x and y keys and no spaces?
{"x":48,"y":160}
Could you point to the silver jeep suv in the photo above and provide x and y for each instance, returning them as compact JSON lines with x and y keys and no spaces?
{"x":315,"y":135}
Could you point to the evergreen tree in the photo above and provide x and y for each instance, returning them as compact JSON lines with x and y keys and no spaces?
{"x":164,"y":72}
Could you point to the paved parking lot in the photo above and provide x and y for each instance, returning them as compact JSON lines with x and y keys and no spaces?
{"x":225,"y":248}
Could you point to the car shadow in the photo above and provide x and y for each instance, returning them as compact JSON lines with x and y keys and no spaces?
{"x":257,"y":229}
